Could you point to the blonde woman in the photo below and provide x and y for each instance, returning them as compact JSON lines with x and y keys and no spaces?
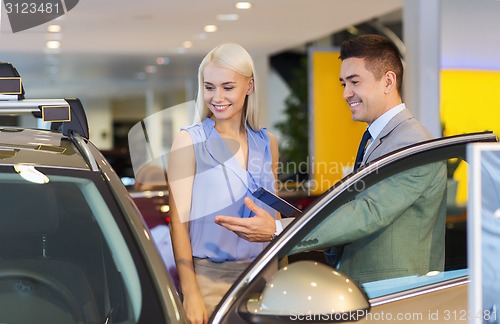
{"x":214,"y":166}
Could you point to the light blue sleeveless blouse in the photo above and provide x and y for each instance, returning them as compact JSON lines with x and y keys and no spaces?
{"x":219,"y":187}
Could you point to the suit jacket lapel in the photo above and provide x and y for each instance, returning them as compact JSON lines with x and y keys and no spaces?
{"x":393,"y":123}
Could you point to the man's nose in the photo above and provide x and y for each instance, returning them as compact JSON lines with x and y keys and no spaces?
{"x":347,"y":93}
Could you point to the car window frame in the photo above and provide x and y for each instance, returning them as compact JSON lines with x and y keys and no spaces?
{"x":160,"y":282}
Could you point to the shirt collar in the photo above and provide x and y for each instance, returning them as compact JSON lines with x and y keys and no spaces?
{"x":376,"y":127}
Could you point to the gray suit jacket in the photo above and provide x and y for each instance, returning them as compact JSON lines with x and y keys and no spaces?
{"x":396,"y":227}
{"x":402,"y":130}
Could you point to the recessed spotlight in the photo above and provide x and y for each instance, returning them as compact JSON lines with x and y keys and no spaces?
{"x":53,"y":44}
{"x":54,"y":28}
{"x":187,"y":44}
{"x":210,"y":28}
{"x":243,"y":5}
{"x":228,"y":17}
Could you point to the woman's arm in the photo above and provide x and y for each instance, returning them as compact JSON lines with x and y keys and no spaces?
{"x":181,"y":172}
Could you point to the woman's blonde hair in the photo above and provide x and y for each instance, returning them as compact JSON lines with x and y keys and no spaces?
{"x":234,"y":57}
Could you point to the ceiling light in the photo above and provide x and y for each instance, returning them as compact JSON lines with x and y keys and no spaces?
{"x":210,"y":28}
{"x":243,"y":5}
{"x":187,"y":44}
{"x":228,"y":17}
{"x":54,"y":28}
{"x":53,"y":44}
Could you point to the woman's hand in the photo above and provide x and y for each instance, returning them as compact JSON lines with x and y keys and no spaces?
{"x":195,"y":309}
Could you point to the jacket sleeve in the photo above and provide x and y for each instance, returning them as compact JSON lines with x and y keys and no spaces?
{"x":375,"y":208}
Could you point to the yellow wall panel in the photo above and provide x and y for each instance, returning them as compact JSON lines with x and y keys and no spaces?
{"x":334,"y":135}
{"x":470,"y":102}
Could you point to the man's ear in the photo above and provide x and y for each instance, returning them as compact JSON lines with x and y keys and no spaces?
{"x":250,"y":86}
{"x":390,"y":81}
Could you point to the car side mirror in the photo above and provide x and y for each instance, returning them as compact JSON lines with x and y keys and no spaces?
{"x":307,"y":290}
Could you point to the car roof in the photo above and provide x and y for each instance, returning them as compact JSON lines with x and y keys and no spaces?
{"x":65,"y":144}
{"x":38,"y":147}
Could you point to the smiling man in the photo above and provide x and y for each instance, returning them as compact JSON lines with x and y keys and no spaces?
{"x":372,"y":75}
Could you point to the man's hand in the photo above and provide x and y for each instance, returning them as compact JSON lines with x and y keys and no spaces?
{"x":259,"y":228}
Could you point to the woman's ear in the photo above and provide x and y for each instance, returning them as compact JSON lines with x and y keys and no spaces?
{"x":250,"y":86}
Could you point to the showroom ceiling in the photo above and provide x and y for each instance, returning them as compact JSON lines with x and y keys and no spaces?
{"x":111,"y":47}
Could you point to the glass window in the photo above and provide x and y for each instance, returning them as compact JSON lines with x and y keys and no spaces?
{"x":62,"y":255}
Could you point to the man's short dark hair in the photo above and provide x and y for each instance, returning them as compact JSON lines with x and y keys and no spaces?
{"x":380,"y":54}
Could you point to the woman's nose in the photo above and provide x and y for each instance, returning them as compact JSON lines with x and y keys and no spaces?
{"x":218,"y":95}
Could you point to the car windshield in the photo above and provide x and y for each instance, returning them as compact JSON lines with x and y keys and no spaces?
{"x":62,"y":256}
